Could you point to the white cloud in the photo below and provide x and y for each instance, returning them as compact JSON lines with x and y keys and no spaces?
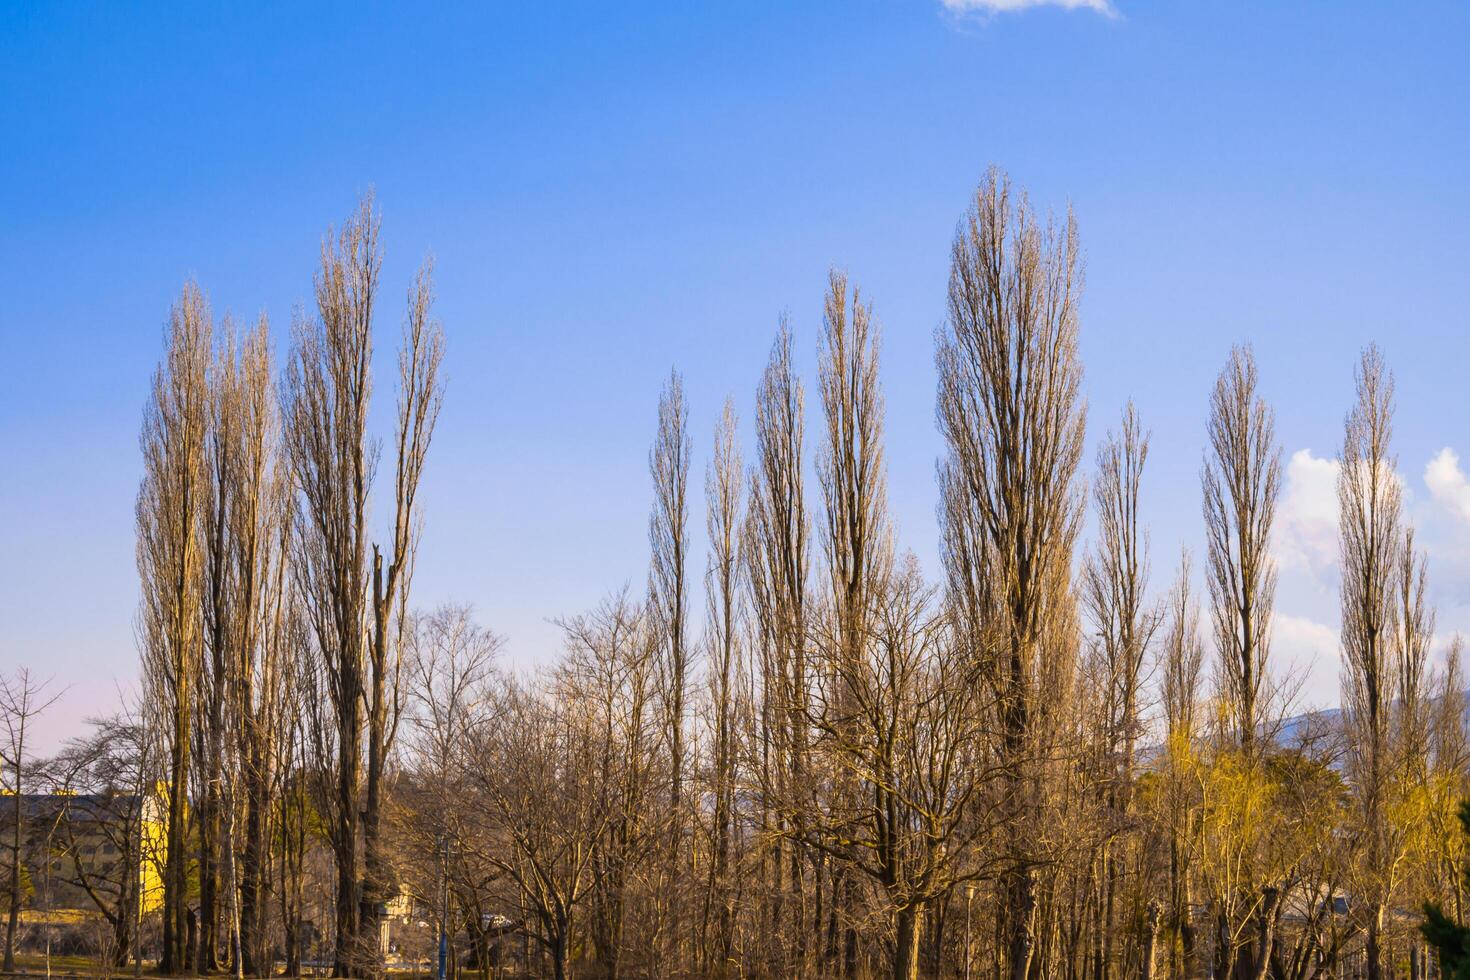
{"x":1303,"y":640}
{"x":1306,"y":651}
{"x":1447,"y":483}
{"x":1104,"y":7}
{"x":1306,"y":518}
{"x":1305,"y":643}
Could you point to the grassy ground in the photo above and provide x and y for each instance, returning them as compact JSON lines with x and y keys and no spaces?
{"x":35,"y":964}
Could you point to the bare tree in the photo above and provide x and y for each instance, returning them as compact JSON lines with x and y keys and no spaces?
{"x":900,"y":723}
{"x":328,"y":386}
{"x":105,"y":778}
{"x":273,"y":633}
{"x":305,"y":748}
{"x":1113,"y":586}
{"x":23,"y":697}
{"x":170,"y":522}
{"x":539,"y":802}
{"x":450,"y":668}
{"x":1449,"y":746}
{"x":218,"y":666}
{"x":1010,"y":409}
{"x":1410,"y":648}
{"x":723,"y":498}
{"x":612,"y":677}
{"x":668,"y":464}
{"x":420,"y":396}
{"x":256,"y":496}
{"x":355,"y":605}
{"x":450,"y":665}
{"x":1183,"y":656}
{"x":1241,"y":479}
{"x":777,"y":555}
{"x":856,"y":536}
{"x":242,"y":565}
{"x":1369,"y":498}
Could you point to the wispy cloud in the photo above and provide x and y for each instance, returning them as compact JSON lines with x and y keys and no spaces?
{"x":1306,"y":651}
{"x":986,"y":7}
{"x":1306,"y":522}
{"x":1447,"y":483}
{"x":1305,"y":641}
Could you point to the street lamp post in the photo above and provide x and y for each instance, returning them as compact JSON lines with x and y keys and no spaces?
{"x":443,"y":904}
{"x":969,"y":896}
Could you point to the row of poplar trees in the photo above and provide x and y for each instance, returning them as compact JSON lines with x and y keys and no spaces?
{"x":272,"y":611}
{"x":1036,"y":766}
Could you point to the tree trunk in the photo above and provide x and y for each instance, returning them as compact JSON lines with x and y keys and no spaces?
{"x":191,"y":936}
{"x":1022,"y":944}
{"x":1150,"y":941}
{"x":291,"y":862}
{"x":1109,"y":882}
{"x":175,"y":881}
{"x":122,"y":922}
{"x":232,"y":895}
{"x":908,"y":925}
{"x":1187,"y":938}
{"x":344,"y":841}
{"x":252,"y":867}
{"x":559,"y":951}
{"x":12,"y":918}
{"x":377,"y":886}
{"x":1373,"y":951}
{"x":208,"y":956}
{"x":1266,"y":933}
{"x":1225,"y":949}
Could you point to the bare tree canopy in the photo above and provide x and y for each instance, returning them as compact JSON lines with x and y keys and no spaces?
{"x":1011,"y":412}
{"x":354,"y":604}
{"x":1242,"y":482}
{"x":811,"y":758}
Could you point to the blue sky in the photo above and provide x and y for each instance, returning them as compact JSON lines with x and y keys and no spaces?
{"x":609,"y":191}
